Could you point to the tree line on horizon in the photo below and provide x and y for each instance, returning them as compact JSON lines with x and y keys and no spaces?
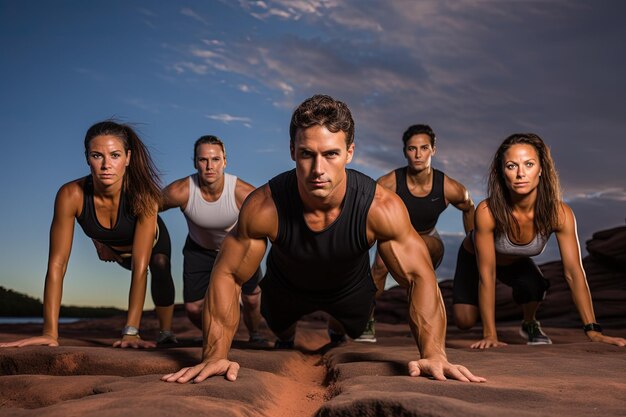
{"x":15,"y":304}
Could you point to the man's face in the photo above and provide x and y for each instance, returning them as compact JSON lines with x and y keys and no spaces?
{"x":418,"y":152}
{"x":321,"y":158}
{"x":210,"y":163}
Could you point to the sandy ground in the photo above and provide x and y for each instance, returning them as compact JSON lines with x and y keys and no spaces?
{"x":571,"y":377}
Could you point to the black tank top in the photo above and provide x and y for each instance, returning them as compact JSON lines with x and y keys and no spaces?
{"x":322,"y":266}
{"x":121,"y":234}
{"x":423,"y":211}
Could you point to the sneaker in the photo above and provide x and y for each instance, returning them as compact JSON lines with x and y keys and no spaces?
{"x":166,"y":337}
{"x":531,"y":330}
{"x":369,"y":334}
{"x":283,"y":344}
{"x":257,"y":340}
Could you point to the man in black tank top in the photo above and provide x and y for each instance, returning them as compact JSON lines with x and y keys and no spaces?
{"x":322,"y":219}
{"x":426,"y":192}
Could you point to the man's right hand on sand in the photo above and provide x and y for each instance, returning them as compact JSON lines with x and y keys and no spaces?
{"x":203,"y":371}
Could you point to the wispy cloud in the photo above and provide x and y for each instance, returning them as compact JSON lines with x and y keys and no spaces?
{"x":616,"y":194}
{"x":227,"y":118}
{"x":244,"y":88}
{"x":286,"y":9}
{"x":191,"y":13}
{"x":182,"y":67}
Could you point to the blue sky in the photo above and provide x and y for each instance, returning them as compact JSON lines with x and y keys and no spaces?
{"x":475,"y":70}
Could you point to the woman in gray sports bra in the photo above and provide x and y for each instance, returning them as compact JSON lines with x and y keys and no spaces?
{"x":523,"y":208}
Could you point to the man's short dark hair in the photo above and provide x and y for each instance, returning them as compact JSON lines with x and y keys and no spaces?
{"x":325,"y":111}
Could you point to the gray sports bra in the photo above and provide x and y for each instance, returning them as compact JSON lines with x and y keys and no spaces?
{"x":504,"y":246}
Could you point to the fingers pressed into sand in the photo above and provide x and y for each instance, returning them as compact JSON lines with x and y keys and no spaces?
{"x":469,"y":375}
{"x":233,"y":371}
{"x":423,"y":366}
{"x":135,"y":344}
{"x":178,"y":376}
{"x":454,"y":372}
{"x":414,"y":370}
{"x":487,"y":343}
{"x":439,"y":371}
{"x":617,"y":341}
{"x":222,"y":367}
{"x":32,"y":341}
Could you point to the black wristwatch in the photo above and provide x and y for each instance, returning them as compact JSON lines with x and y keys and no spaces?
{"x":595,"y":327}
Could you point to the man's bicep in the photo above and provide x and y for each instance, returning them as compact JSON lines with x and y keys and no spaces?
{"x":175,"y":195}
{"x":406,"y":257}
{"x":240,"y":256}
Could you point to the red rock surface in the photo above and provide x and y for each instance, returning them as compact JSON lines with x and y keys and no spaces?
{"x":572,"y":377}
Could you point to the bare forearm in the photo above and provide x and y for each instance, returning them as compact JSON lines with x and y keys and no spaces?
{"x":136,"y":295}
{"x":52,"y":303}
{"x":582,"y":299}
{"x":487,"y":302}
{"x":220,"y":320}
{"x":427,"y":318}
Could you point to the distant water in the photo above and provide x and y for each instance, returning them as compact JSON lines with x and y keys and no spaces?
{"x":34,"y":320}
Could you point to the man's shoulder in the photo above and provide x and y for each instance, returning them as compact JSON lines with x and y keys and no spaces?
{"x":283,"y":182}
{"x":179,"y":185}
{"x":259,"y":198}
{"x":359,"y":178}
{"x":258,"y":214}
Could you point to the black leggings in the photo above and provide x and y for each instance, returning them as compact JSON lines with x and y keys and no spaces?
{"x":523,"y":276}
{"x":161,"y":284}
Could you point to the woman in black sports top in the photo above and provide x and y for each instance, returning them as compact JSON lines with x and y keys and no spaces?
{"x":523,"y":208}
{"x":116,"y":205}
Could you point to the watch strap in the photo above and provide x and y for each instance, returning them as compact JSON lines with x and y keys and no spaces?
{"x":595,"y":327}
{"x":130,"y":331}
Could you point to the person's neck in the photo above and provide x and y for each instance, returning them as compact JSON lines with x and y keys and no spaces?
{"x":212,"y":190}
{"x":107,"y":192}
{"x":334,"y":200}
{"x":422,"y":177}
{"x":524,"y":204}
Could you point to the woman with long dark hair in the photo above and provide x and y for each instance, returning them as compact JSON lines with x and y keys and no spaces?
{"x":116,"y":206}
{"x":523,"y":208}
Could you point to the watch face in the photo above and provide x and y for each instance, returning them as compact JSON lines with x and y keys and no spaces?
{"x":130,"y":331}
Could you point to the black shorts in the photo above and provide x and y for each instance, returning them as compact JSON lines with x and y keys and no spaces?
{"x":197,"y":266}
{"x":523,"y":276}
{"x":282,"y":307}
{"x":163,"y":245}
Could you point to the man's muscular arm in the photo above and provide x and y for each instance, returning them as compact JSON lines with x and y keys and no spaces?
{"x":240,"y":256}
{"x":406,"y":256}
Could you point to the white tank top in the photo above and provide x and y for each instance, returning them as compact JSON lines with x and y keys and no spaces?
{"x":209,"y":222}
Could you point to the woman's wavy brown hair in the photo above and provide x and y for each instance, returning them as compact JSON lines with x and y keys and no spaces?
{"x":142,"y":186}
{"x":548,"y":203}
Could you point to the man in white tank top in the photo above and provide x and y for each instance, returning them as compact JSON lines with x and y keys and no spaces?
{"x":210,"y":200}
